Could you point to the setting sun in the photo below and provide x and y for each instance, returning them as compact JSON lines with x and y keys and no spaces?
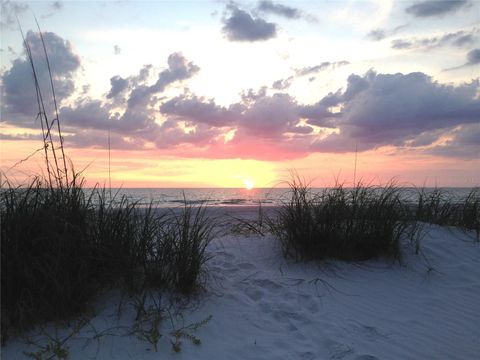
{"x":248,"y":184}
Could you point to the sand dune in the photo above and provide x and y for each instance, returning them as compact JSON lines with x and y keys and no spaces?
{"x":265,"y":307}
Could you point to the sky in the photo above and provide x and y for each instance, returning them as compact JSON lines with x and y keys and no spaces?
{"x":223,"y":93}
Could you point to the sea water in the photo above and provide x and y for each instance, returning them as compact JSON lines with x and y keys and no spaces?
{"x":169,"y":197}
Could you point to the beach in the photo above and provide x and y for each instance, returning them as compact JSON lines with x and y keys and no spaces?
{"x":263,"y":306}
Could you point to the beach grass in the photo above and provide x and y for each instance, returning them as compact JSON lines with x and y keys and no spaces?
{"x":349,"y":224}
{"x":60,"y":247}
{"x":439,"y":206}
{"x":364,"y":222}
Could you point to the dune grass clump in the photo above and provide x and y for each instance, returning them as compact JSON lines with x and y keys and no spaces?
{"x":185,"y":234}
{"x":438,"y":206}
{"x":349,"y":224}
{"x":48,"y":267}
{"x":59,"y":247}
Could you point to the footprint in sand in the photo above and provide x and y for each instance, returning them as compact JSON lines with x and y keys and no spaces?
{"x":227,"y":267}
{"x":289,"y":316}
{"x":254,"y":294}
{"x":267,"y":284}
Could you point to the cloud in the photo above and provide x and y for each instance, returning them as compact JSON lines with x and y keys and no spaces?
{"x":199,"y":110}
{"x":249,"y":96}
{"x":391,"y":109}
{"x":464,"y":142}
{"x":279,"y":9}
{"x":377,"y":34}
{"x":282,"y":84}
{"x":57,"y":5}
{"x":171,"y":134}
{"x":239,"y":25}
{"x":89,"y":114}
{"x":19,"y":97}
{"x":435,"y":7}
{"x":326,"y":65}
{"x":401,"y":44}
{"x":179,"y":69}
{"x":459,"y":38}
{"x":258,"y":115}
{"x":270,"y":116}
{"x":406,"y":111}
{"x":473,"y":57}
{"x":9,"y":12}
{"x":118,"y":85}
{"x":380,"y":34}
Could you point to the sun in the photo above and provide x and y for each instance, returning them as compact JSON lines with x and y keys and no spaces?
{"x":248,"y":184}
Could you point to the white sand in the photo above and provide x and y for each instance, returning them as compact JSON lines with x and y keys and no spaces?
{"x":264,"y":307}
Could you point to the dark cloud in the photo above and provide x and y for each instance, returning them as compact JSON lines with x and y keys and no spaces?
{"x":18,"y":88}
{"x":179,"y":69}
{"x":380,"y":34}
{"x":118,"y":85}
{"x":136,"y":119}
{"x":435,"y":7}
{"x":425,"y":138}
{"x":459,"y":38}
{"x":258,"y":114}
{"x":279,"y":9}
{"x":319,"y":114}
{"x":9,"y":12}
{"x":282,"y":84}
{"x":199,"y":110}
{"x":92,"y":138}
{"x":143,"y":75}
{"x":89,"y":114}
{"x":250,"y":95}
{"x":270,"y":116}
{"x":464,"y":142}
{"x":401,"y":44}
{"x":473,"y":57}
{"x":239,"y":25}
{"x":377,"y":35}
{"x":390,"y":109}
{"x":327,"y":65}
{"x":171,"y":134}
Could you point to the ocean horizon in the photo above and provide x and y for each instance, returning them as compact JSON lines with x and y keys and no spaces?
{"x":172,"y":197}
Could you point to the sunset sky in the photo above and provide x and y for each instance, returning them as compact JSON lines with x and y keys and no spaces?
{"x":223,"y":93}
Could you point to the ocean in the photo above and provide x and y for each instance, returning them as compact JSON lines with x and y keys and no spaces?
{"x":234,"y":196}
